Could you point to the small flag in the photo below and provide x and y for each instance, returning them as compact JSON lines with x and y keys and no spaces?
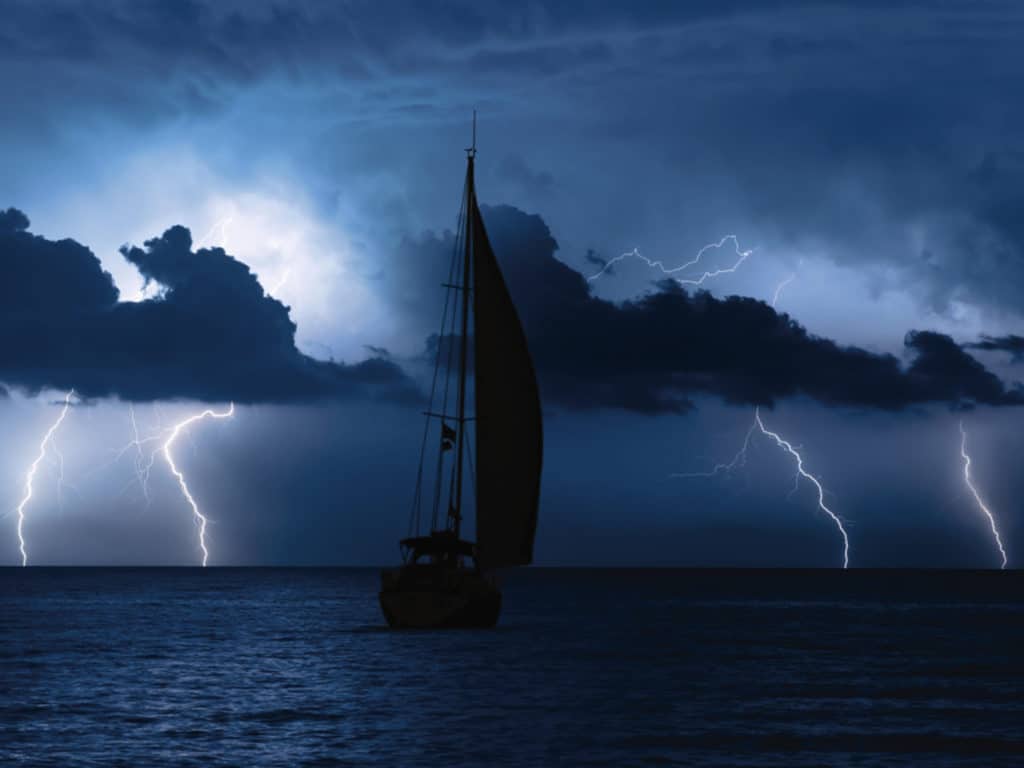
{"x":447,"y":437}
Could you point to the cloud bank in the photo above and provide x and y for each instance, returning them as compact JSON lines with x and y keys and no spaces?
{"x":211,"y":333}
{"x":652,"y":354}
{"x":1011,"y":343}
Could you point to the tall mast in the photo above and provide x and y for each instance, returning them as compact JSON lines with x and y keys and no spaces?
{"x":464,"y":339}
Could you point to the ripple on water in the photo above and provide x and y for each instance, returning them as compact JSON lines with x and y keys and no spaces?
{"x":294,"y":667}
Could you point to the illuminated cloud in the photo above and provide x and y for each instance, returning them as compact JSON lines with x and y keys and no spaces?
{"x":210,"y":333}
{"x":655,"y":352}
{"x":1011,"y":343}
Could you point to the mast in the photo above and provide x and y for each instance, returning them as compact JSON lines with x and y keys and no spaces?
{"x":464,"y":338}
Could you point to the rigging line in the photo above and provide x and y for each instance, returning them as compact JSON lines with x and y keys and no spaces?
{"x":417,"y":504}
{"x":452,"y":271}
{"x":456,"y":262}
{"x":450,"y":335}
{"x":436,"y":501}
{"x":472,"y":214}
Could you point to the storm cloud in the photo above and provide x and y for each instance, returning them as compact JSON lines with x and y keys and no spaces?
{"x":211,"y":332}
{"x":871,"y":149}
{"x":652,"y":354}
{"x":1011,"y":343}
{"x":843,"y":127}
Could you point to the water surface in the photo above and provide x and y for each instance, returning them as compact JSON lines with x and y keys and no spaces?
{"x":252,"y":667}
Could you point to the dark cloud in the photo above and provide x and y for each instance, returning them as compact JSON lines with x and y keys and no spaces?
{"x":883,"y":149}
{"x":942,"y":371}
{"x":1011,"y":343}
{"x":212,"y":333}
{"x":651,"y":354}
{"x":877,"y":136}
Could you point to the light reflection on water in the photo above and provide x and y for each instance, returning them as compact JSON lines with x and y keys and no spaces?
{"x":294,"y":667}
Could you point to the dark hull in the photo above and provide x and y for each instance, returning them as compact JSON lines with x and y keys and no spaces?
{"x":434,"y":597}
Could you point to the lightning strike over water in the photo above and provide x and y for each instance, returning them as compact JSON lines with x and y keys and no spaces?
{"x":977,"y":496}
{"x":801,"y":472}
{"x":47,"y":438}
{"x":61,"y":482}
{"x":143,"y":466}
{"x":739,"y":460}
{"x":168,"y":456}
{"x":707,"y":275}
{"x":139,"y":457}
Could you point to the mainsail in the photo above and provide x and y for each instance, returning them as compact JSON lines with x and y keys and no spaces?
{"x":443,"y":580}
{"x":509,"y":436}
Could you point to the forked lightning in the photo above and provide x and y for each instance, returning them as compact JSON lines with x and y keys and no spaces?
{"x":977,"y":496}
{"x":169,"y":457}
{"x":707,"y":275}
{"x":30,"y":476}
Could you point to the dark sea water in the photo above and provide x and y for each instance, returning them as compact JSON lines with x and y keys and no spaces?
{"x":252,"y":667}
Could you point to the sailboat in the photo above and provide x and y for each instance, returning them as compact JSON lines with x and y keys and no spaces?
{"x":445,"y":579}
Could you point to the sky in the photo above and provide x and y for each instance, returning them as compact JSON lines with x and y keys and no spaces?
{"x":204,"y":203}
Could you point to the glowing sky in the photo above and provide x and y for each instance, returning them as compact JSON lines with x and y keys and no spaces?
{"x":871,"y":152}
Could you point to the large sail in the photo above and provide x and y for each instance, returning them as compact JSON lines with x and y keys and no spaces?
{"x":509,"y":434}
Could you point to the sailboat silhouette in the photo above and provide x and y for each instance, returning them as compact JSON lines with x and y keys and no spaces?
{"x":446,"y":580}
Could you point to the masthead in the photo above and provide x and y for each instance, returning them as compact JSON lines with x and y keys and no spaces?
{"x":471,"y":151}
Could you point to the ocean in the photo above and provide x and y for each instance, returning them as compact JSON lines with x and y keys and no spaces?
{"x":606,"y":667}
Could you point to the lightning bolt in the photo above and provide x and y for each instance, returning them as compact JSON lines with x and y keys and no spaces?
{"x":30,"y":476}
{"x":222,"y":225}
{"x":801,"y":472}
{"x":740,"y":459}
{"x":659,"y":265}
{"x":61,"y":482}
{"x":977,"y":496}
{"x":780,"y":286}
{"x":176,"y":430}
{"x":785,"y":281}
{"x":272,"y":291}
{"x":143,"y":465}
